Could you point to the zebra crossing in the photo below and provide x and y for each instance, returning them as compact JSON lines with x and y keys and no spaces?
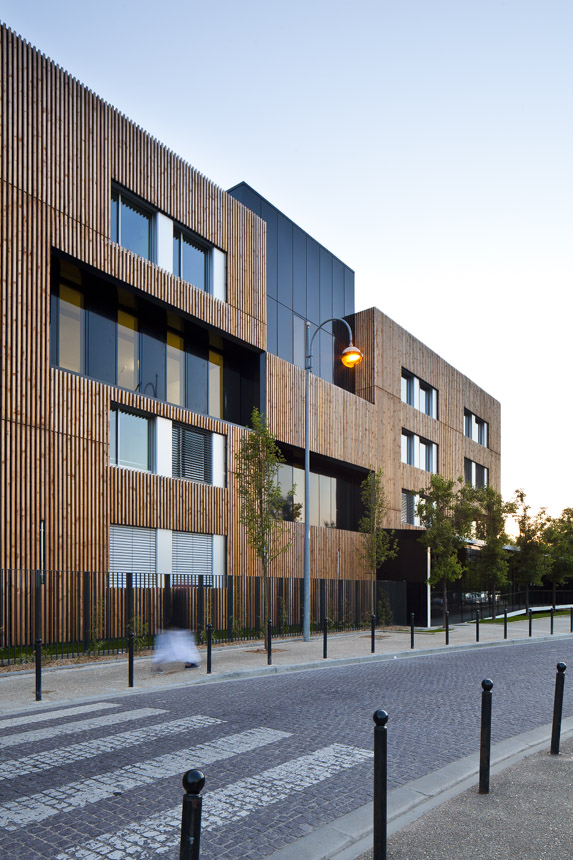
{"x":24,"y":813}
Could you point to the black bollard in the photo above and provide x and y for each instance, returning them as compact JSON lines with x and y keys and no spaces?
{"x":209,"y":646}
{"x":557,"y":708}
{"x":447,"y":627}
{"x":571,"y":621}
{"x":477,"y":624}
{"x":324,"y":638}
{"x":530,"y":623}
{"x":411,"y":630}
{"x":485,"y":737}
{"x":270,"y":639}
{"x":193,"y":782}
{"x":372,"y":633}
{"x":380,"y":785}
{"x":130,"y":658}
{"x":505,"y":623}
{"x":38,"y":670}
{"x":551,"y":625}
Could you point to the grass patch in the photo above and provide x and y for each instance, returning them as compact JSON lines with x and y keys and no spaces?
{"x":524,"y":616}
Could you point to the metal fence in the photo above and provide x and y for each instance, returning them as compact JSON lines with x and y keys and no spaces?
{"x":462,"y":604}
{"x":77,"y":613}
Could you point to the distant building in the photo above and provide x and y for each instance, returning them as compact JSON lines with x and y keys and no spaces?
{"x":145,"y":311}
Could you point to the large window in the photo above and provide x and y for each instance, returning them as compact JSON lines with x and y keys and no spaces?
{"x":102,"y":330}
{"x":475,"y":474}
{"x":192,"y":454}
{"x":131,"y":224}
{"x":475,"y":428}
{"x":417,"y":393}
{"x":419,"y":452}
{"x":334,"y":499}
{"x":129,"y":440}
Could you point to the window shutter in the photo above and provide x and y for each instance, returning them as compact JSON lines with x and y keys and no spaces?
{"x":192,"y":557}
{"x":192,"y":454}
{"x":132,"y":550}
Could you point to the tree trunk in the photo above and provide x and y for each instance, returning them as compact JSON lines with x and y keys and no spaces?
{"x":554,"y":594}
{"x":445,"y":599}
{"x":527,"y":597}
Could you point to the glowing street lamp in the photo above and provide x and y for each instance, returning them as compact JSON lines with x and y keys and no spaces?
{"x":351,"y":357}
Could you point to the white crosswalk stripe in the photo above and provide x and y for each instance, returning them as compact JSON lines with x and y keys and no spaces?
{"x":78,"y":726}
{"x":44,"y":716}
{"x":89,"y":749}
{"x":160,"y":833}
{"x":37,"y":807}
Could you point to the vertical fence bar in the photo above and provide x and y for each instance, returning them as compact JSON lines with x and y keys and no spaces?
{"x":129,"y":625}
{"x":557,"y":708}
{"x":38,"y":632}
{"x":230,"y":610}
{"x":357,"y":608}
{"x":209,"y":646}
{"x":380,"y":784}
{"x":530,"y":623}
{"x":190,"y":843}
{"x":477,"y":624}
{"x":281,"y":604}
{"x":505,"y":623}
{"x":86,"y":603}
{"x":270,"y":642}
{"x":412,"y":630}
{"x":551,"y":624}
{"x":447,"y":627}
{"x":372,"y":633}
{"x":130,"y":658}
{"x":200,"y":604}
{"x":340,"y":604}
{"x":485,"y":736}
{"x":571,"y":620}
{"x":324,"y":638}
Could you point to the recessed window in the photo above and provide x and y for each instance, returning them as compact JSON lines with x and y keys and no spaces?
{"x":129,"y":440}
{"x":419,"y":452}
{"x":475,"y":474}
{"x":71,"y":341}
{"x":409,"y":504}
{"x":192,"y":454}
{"x":476,"y":428}
{"x":417,"y":393}
{"x":131,"y":224}
{"x":127,"y":350}
{"x":190,"y":261}
{"x":175,"y":368}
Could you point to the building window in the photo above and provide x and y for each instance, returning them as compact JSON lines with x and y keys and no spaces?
{"x":419,"y":452}
{"x":409,"y":505}
{"x":475,"y":474}
{"x":190,"y":260}
{"x":476,"y":428}
{"x":127,"y":350}
{"x":192,"y":454}
{"x":215,"y":383}
{"x":417,"y":393}
{"x":175,"y":367}
{"x":131,"y":224}
{"x":71,"y":339}
{"x":129,"y":440}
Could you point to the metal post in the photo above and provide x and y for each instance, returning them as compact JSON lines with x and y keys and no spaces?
{"x":447,"y":627}
{"x":372,"y":633}
{"x":130,"y":657}
{"x":380,"y":785}
{"x":38,"y":670}
{"x":306,"y":578}
{"x":193,"y":782}
{"x":325,"y":638}
{"x":557,"y":708}
{"x":477,"y":624}
{"x":571,"y":622}
{"x":530,"y":622}
{"x":209,"y":646}
{"x":551,"y":625}
{"x":505,"y":623}
{"x":86,"y":611}
{"x":411,"y":630}
{"x":270,"y":643}
{"x":485,"y":738}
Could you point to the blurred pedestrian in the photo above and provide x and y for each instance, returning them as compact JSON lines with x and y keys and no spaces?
{"x":176,"y":644}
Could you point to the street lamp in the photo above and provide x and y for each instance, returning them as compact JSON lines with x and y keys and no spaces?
{"x":351,"y":356}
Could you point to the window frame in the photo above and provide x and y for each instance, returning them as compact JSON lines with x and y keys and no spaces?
{"x":145,"y":209}
{"x":181,"y":234}
{"x":120,"y":409}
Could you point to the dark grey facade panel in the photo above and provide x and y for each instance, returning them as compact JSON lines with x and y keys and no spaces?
{"x":299,"y":271}
{"x":312,"y":281}
{"x":270,"y":215}
{"x":272,"y":314}
{"x":284,"y":332}
{"x":284,"y":262}
{"x":325,"y":285}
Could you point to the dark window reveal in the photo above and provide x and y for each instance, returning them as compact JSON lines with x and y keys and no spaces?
{"x":192,"y":454}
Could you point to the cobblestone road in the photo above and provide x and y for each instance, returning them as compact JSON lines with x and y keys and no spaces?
{"x":282,"y":754}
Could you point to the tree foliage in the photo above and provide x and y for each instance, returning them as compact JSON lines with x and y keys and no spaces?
{"x":558,"y":538}
{"x":533,"y":561}
{"x":447,"y":511}
{"x":378,"y":544}
{"x":491,"y":563}
{"x":256,"y":469}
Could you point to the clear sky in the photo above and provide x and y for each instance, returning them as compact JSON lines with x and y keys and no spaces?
{"x":427,"y":143}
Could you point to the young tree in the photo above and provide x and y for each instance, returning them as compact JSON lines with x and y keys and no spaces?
{"x":491,"y":562}
{"x":532,"y":562}
{"x":256,"y":468}
{"x":378,"y":545}
{"x":558,"y":537}
{"x":447,"y":514}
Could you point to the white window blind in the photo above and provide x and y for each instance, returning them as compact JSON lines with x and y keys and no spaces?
{"x":132,"y":550}
{"x":192,"y":557}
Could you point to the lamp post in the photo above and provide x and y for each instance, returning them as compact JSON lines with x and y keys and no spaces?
{"x":351,"y":356}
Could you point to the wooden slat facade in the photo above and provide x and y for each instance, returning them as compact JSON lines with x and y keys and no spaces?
{"x":61,"y":148}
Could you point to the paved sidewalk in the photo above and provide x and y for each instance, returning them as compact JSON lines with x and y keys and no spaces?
{"x":526,"y":816}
